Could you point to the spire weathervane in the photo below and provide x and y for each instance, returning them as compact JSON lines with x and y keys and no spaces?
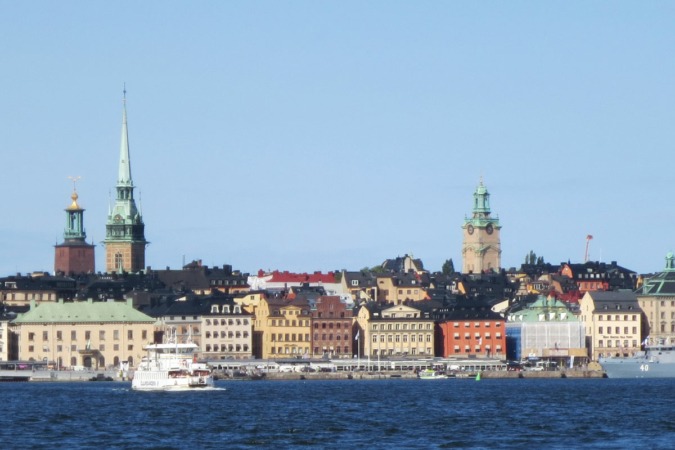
{"x":74,"y":180}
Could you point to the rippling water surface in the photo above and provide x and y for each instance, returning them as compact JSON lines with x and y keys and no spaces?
{"x":397,"y":413}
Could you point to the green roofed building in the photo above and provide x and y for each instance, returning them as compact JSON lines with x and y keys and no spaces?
{"x":87,"y":334}
{"x":656,"y":297}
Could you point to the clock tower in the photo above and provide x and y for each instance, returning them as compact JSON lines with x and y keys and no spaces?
{"x":481,"y":245}
{"x":125,"y":231}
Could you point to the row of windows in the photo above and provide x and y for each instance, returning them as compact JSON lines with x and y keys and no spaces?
{"x":476,"y":349}
{"x":227,"y":322}
{"x":330,"y":325}
{"x":663,"y":314}
{"x":609,"y":317}
{"x":330,"y":337}
{"x":392,"y":352}
{"x":617,"y":330}
{"x":477,"y":335}
{"x":399,"y":326}
{"x":330,"y":314}
{"x":477,"y":324}
{"x":29,"y":296}
{"x":335,"y":350}
{"x":617,"y":343}
{"x":228,"y":334}
{"x":291,"y":312}
{"x":289,"y":337}
{"x":290,"y":350}
{"x":87,"y":335}
{"x":289,"y":323}
{"x":73,"y":348}
{"x":227,"y":348}
{"x":400,"y":338}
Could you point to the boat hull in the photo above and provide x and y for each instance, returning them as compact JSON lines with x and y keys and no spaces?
{"x":637,"y":368}
{"x":150,"y":381}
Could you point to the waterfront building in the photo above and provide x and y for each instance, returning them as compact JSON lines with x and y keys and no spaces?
{"x":469,"y":328}
{"x":74,"y":255}
{"x":546,"y":329}
{"x":227,"y":331}
{"x":331,"y":327}
{"x":481,"y":244}
{"x":656,"y":297}
{"x":393,"y":330}
{"x":282,"y":328}
{"x":613,"y":322}
{"x":125,"y":231}
{"x":87,"y":334}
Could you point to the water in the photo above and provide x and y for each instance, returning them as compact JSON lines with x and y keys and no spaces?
{"x":373,"y":414}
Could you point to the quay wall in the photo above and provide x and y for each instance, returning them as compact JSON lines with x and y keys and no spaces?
{"x":87,"y":375}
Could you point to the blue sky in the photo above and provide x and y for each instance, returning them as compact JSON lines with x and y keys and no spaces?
{"x":304,"y":135}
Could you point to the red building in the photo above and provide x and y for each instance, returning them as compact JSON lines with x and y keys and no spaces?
{"x":331,"y":327}
{"x":468,"y":329}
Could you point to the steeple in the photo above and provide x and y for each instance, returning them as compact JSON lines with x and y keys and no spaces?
{"x":124,"y":177}
{"x":481,"y":201}
{"x":481,"y":246}
{"x":74,"y":255}
{"x":125,"y":231}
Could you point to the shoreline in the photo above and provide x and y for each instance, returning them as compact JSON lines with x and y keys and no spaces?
{"x":111,"y":375}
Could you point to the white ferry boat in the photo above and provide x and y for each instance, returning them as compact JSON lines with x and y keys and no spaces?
{"x":170,"y":367}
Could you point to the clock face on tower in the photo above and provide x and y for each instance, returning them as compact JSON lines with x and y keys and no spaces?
{"x":469,"y":229}
{"x":489,"y":228}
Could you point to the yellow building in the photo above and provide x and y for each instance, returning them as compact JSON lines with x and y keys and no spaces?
{"x":90,"y":334}
{"x":399,"y":330}
{"x":613,"y":321}
{"x":282,"y":329}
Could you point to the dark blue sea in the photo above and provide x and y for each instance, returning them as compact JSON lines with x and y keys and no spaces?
{"x":372,"y":414}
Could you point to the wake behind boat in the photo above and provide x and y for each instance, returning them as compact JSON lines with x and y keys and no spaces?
{"x":656,"y":361}
{"x":171,"y":367}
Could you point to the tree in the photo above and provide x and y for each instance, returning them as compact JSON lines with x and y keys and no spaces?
{"x":448,"y":267}
{"x":532,"y":259}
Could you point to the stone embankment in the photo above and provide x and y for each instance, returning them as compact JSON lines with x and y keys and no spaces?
{"x":76,"y":375}
{"x":410,"y":374}
{"x":544,"y":374}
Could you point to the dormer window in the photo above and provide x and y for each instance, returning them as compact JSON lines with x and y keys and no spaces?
{"x":214,"y":309}
{"x":226,"y":309}
{"x":237,"y":309}
{"x":355,"y":282}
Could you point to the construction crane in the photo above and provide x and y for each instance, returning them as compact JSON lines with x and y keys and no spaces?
{"x":588,"y":241}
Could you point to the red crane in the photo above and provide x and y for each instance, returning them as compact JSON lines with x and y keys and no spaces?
{"x":588,"y":241}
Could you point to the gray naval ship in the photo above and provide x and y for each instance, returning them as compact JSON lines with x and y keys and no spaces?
{"x":656,"y":361}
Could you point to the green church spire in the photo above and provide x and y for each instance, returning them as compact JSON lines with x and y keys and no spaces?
{"x":124,"y":178}
{"x":125,"y":230}
{"x":74,"y":218}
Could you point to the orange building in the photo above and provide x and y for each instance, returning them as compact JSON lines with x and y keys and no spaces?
{"x":468,"y":329}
